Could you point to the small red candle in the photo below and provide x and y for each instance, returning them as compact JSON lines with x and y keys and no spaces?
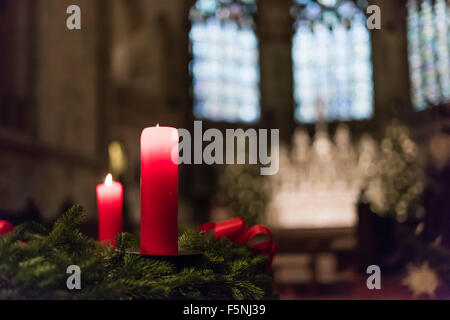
{"x":109,"y":203}
{"x":159,"y":191}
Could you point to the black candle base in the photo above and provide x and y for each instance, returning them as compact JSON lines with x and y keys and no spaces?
{"x":185,"y":258}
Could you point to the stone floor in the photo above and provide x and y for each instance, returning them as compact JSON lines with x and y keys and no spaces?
{"x":391,"y":289}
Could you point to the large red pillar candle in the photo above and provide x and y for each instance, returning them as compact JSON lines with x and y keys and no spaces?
{"x":110,"y":204}
{"x":159,"y":191}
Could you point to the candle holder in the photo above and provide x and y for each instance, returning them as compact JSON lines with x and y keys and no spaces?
{"x":185,"y":258}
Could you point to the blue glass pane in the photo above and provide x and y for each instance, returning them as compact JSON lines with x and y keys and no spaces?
{"x":225,"y":61}
{"x":428,"y":45}
{"x":332,"y":63}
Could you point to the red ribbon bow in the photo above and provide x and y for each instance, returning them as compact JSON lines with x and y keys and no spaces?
{"x":5,"y":227}
{"x":237,"y":231}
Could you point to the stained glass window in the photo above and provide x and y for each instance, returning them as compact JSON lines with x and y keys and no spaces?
{"x":225,"y":67}
{"x":332,"y":61}
{"x":429,"y":46}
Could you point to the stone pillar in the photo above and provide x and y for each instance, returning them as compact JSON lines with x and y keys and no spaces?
{"x":66,"y":78}
{"x":61,"y":160}
{"x":390,"y":62}
{"x":275,"y":30}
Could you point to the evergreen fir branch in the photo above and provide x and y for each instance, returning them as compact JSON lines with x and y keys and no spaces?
{"x":33,"y":264}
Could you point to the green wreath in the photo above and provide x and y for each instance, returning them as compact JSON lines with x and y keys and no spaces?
{"x":34,"y":262}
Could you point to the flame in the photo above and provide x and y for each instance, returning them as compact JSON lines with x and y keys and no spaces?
{"x":157,"y":125}
{"x":108,"y":180}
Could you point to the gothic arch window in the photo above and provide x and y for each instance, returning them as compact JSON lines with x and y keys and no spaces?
{"x":332,"y":61}
{"x":429,"y":46}
{"x":225,"y":68}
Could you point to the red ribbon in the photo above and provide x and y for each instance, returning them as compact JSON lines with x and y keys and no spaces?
{"x":5,"y":227}
{"x":237,"y":231}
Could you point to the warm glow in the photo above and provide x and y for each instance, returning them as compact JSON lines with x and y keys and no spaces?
{"x":157,"y":125}
{"x":108,"y":180}
{"x":118,"y":161}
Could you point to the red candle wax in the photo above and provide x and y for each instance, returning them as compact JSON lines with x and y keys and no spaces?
{"x":159,"y":191}
{"x":110,"y":204}
{"x":5,"y":227}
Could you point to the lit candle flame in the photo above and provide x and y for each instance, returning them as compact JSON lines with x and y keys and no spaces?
{"x":108,"y":180}
{"x":157,"y":125}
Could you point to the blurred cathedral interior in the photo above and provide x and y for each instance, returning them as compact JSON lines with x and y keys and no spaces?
{"x":364,"y":119}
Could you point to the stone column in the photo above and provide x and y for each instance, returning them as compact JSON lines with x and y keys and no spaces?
{"x":390,"y":62}
{"x":60,"y":162}
{"x":275,"y":29}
